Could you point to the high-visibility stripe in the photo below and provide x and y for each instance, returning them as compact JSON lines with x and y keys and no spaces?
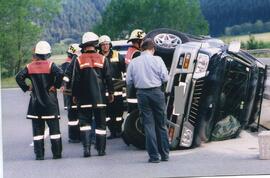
{"x":31,"y":116}
{"x":73,"y":122}
{"x":118,"y":119}
{"x":66,"y":79}
{"x":39,"y":137}
{"x":107,"y":119}
{"x":47,"y":117}
{"x":101,"y":105}
{"x":132,"y":100}
{"x":98,"y":64}
{"x":86,"y":106}
{"x":117,"y":93}
{"x":85,"y":64}
{"x":124,"y":95}
{"x":83,"y":128}
{"x":57,"y":136}
{"x":100,"y":132}
{"x":71,"y":107}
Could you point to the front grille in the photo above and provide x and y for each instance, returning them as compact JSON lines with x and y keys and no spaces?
{"x":194,"y":109}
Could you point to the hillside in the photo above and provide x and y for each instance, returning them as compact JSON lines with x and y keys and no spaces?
{"x":76,"y":17}
{"x":79,"y":16}
{"x":226,"y":13}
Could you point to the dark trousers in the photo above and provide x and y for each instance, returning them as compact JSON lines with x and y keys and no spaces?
{"x":39,"y":126}
{"x":151,"y":103}
{"x":73,"y":125}
{"x":38,"y":133}
{"x":85,"y":117}
{"x":115,"y":112}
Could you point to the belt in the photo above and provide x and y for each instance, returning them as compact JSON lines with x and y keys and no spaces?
{"x":152,"y":88}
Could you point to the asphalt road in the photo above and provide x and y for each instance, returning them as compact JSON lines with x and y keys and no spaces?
{"x":232,"y":157}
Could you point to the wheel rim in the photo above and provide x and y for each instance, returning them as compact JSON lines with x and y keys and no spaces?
{"x":166,"y":40}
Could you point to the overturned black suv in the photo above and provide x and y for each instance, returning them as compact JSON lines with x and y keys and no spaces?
{"x":214,"y":90}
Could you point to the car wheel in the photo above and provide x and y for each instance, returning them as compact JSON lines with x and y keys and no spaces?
{"x":166,"y":40}
{"x":133,"y":130}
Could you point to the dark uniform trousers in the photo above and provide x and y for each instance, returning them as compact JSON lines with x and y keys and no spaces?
{"x":151,"y":103}
{"x":55,"y":137}
{"x":115,"y":113}
{"x":85,"y":120}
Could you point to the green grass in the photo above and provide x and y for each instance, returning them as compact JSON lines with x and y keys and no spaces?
{"x":264,"y":37}
{"x":8,"y":82}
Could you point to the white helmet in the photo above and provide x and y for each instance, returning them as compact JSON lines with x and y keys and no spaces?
{"x":136,"y":34}
{"x":74,"y":48}
{"x":43,"y":47}
{"x":89,"y":37}
{"x":104,"y":38}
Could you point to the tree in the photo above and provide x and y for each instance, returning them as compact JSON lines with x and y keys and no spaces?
{"x":20,"y":29}
{"x":121,"y":17}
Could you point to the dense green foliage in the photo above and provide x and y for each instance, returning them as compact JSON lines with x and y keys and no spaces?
{"x":77,"y":17}
{"x":226,"y":13}
{"x":20,"y":30}
{"x":121,"y":17}
{"x":248,"y":28}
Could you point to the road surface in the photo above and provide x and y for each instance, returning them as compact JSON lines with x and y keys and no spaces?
{"x":232,"y":157}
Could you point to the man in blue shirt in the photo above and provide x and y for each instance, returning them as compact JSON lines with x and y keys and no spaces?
{"x":147,"y":73}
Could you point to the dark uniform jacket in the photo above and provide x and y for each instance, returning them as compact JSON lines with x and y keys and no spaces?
{"x":92,"y":78}
{"x":43,"y":74}
{"x":68,"y":102}
{"x":117,"y":67}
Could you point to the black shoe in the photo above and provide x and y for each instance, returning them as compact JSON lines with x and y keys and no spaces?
{"x":165,"y":159}
{"x":39,"y":157}
{"x":86,"y":153}
{"x":73,"y":141}
{"x":101,"y":153}
{"x":151,"y":160}
{"x":57,"y":156}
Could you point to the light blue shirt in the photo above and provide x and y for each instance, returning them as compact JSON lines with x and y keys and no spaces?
{"x":146,"y":71}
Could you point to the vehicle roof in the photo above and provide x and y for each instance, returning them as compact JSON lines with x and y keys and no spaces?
{"x":120,"y":43}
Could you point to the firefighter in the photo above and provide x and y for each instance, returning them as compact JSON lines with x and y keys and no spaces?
{"x":43,"y":107}
{"x":117,"y":67}
{"x":73,"y":121}
{"x":92,"y":79}
{"x":136,"y":38}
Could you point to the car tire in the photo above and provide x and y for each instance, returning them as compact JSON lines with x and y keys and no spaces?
{"x":166,"y":40}
{"x":133,"y":130}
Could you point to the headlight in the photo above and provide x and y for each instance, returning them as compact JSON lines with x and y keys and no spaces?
{"x":202,"y":63}
{"x":187,"y":137}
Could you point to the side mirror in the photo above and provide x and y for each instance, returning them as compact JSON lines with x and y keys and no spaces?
{"x":234,"y":46}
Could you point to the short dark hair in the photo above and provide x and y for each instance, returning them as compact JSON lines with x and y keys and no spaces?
{"x":148,"y":44}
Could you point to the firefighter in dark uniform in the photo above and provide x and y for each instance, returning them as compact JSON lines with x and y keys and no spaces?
{"x":136,"y":38}
{"x":69,"y":105}
{"x":92,"y":79}
{"x":43,"y":107}
{"x":117,"y":67}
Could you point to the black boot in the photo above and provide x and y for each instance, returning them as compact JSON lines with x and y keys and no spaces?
{"x":56,"y":148}
{"x":101,"y":144}
{"x":86,"y":141}
{"x":74,"y":134}
{"x":39,"y":149}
